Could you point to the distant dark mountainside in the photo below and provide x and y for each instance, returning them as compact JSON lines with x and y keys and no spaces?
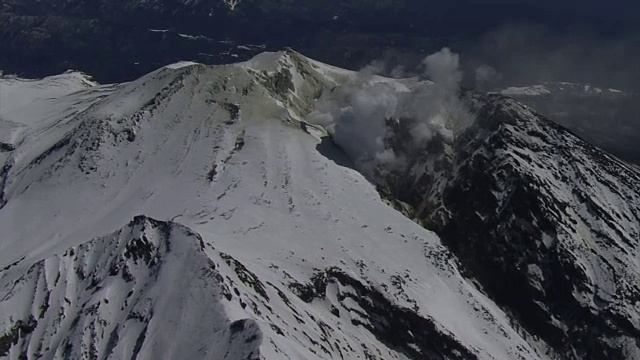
{"x":112,"y":39}
{"x":545,"y":221}
{"x":608,"y":118}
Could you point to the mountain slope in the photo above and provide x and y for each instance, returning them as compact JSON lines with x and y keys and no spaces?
{"x":290,"y":236}
{"x":546,"y":222}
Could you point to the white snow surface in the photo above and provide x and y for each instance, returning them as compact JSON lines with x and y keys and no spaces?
{"x":16,"y":93}
{"x":246,"y":203}
{"x":181,"y":64}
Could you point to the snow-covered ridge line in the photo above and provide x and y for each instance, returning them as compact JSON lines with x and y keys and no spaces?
{"x":526,"y":90}
{"x":123,"y":295}
{"x":17,"y":92}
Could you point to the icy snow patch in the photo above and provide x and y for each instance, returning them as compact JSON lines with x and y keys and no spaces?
{"x":181,"y":64}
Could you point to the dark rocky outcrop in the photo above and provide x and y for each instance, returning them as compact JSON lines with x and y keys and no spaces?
{"x":547,"y":223}
{"x":402,"y":329}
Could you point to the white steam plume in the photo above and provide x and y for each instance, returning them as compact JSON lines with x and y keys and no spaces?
{"x":356,"y":114}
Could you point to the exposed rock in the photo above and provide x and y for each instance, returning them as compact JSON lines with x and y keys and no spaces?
{"x":546,"y":222}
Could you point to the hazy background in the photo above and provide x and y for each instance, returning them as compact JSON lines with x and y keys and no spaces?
{"x":499,"y":43}
{"x":524,"y":40}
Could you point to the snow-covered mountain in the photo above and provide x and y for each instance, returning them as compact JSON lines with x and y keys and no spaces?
{"x":254,"y":237}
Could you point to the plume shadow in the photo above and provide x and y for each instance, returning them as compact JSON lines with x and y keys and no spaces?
{"x":329,"y":149}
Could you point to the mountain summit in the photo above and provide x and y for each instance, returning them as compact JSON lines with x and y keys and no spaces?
{"x":255,"y":235}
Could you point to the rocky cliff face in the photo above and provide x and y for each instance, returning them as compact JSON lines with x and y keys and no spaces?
{"x":547,"y":223}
